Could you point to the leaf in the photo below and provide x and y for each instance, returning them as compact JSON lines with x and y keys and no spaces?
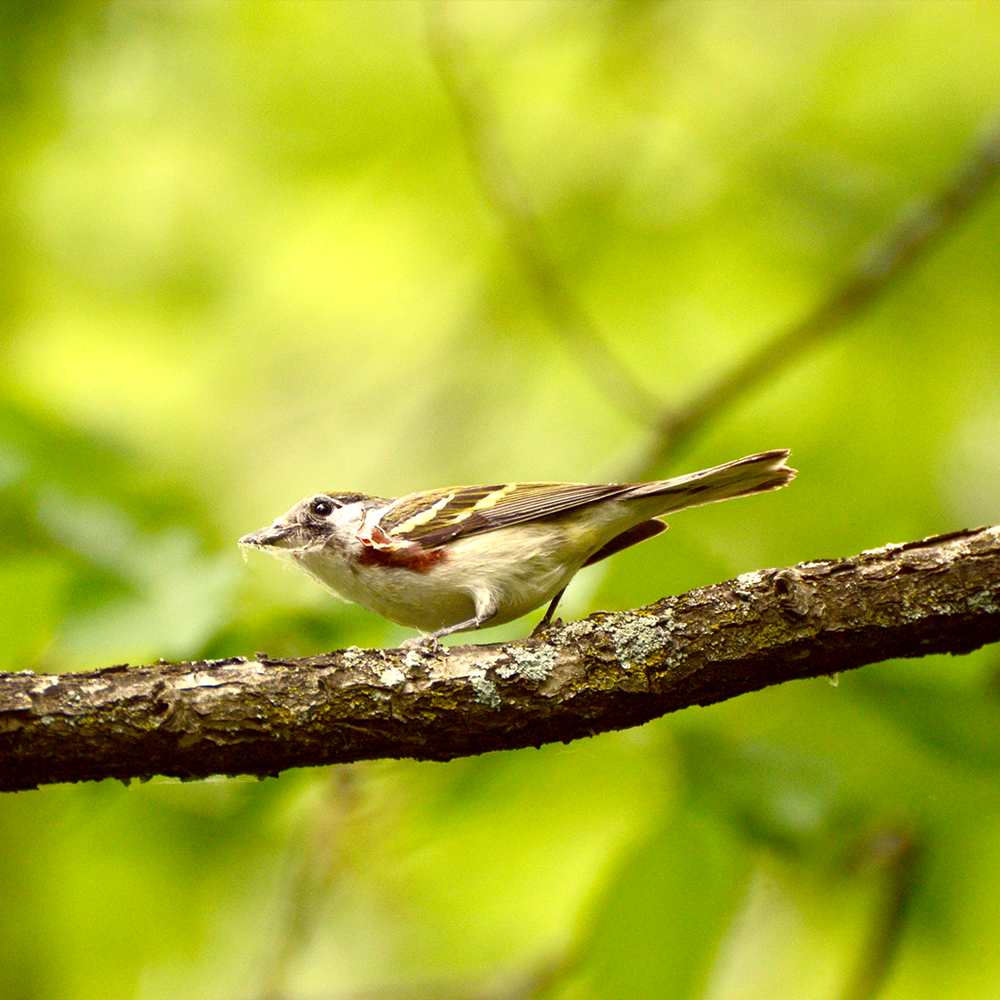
{"x":656,"y":930}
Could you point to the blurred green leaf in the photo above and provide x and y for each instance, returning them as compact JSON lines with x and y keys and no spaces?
{"x":32,"y":593}
{"x":775,"y":794}
{"x":963,"y":726}
{"x":101,"y":561}
{"x":656,"y":930}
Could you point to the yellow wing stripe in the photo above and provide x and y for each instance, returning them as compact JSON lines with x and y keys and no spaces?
{"x":492,"y":499}
{"x":434,"y":518}
{"x":423,"y":516}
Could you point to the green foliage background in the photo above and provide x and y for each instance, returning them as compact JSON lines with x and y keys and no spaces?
{"x":246,"y":257}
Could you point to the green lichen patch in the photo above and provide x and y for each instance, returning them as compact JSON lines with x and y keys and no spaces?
{"x":484,"y":690}
{"x":532,"y":664}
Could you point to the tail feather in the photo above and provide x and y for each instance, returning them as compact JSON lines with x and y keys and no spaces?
{"x":753,"y":474}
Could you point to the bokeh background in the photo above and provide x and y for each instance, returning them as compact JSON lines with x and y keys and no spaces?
{"x":253,"y":250}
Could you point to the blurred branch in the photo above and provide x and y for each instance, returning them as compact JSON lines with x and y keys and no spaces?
{"x":319,"y":864}
{"x":520,"y":986}
{"x":609,"y":671}
{"x":892,"y":853}
{"x":527,"y":241}
{"x":878,"y":268}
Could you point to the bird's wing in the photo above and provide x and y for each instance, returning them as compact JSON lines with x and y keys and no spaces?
{"x":438,"y":516}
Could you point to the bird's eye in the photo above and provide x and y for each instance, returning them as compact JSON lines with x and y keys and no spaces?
{"x":322,"y":508}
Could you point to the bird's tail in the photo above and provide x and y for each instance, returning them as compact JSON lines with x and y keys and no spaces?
{"x":753,"y":474}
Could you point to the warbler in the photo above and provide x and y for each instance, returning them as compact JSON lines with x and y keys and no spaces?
{"x":456,"y":559}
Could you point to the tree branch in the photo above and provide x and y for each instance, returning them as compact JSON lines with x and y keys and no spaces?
{"x":877,"y":269}
{"x":524,"y":233}
{"x":609,"y":671}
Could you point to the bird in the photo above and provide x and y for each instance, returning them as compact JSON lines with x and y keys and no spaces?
{"x":460,"y":558}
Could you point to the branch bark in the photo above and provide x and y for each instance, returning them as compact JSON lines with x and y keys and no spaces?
{"x":609,"y":671}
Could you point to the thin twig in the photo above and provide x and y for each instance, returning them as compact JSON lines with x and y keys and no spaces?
{"x":527,"y":241}
{"x":892,"y":852}
{"x":884,"y":264}
{"x":319,"y":863}
{"x":881,"y":266}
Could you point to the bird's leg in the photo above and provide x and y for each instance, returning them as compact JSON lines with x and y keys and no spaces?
{"x":547,"y":617}
{"x":486,"y":608}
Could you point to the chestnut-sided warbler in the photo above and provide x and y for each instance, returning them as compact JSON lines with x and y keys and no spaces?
{"x":455,"y":559}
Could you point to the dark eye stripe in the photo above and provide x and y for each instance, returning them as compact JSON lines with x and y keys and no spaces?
{"x":343,"y":499}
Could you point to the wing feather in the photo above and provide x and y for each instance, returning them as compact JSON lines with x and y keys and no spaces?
{"x":438,"y":516}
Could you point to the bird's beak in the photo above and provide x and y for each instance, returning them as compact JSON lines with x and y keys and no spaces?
{"x":277,"y":536}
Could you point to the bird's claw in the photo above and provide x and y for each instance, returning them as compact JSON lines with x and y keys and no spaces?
{"x":542,"y":627}
{"x":422,"y":644}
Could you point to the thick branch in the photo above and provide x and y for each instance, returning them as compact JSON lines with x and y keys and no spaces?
{"x":609,"y":671}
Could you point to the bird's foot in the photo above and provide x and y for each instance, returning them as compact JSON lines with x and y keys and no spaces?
{"x":422,"y":644}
